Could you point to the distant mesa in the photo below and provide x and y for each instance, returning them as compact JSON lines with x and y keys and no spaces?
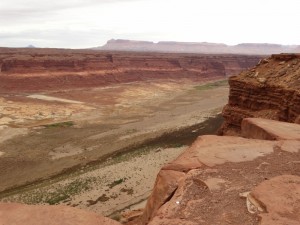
{"x":198,"y":47}
{"x":30,"y":46}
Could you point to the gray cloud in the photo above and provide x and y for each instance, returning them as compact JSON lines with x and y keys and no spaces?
{"x":23,"y":23}
{"x":64,"y":38}
{"x":18,"y":10}
{"x":54,"y":37}
{"x":84,"y":23}
{"x":39,"y":5}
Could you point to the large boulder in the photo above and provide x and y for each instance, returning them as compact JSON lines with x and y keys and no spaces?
{"x":280,"y":197}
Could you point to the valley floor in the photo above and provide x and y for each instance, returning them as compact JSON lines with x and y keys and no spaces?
{"x":75,"y":132}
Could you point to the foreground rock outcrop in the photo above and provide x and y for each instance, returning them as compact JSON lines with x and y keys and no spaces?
{"x":253,"y":179}
{"x":19,"y":214}
{"x":280,"y":198}
{"x":227,"y":180}
{"x":54,"y":69}
{"x":270,"y":90}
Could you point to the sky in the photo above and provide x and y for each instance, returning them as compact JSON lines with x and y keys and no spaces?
{"x":90,"y":23}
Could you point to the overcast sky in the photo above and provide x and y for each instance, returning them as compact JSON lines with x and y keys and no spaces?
{"x":90,"y":23}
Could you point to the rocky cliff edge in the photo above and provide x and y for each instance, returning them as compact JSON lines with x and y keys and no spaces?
{"x":270,"y":90}
{"x":231,"y":180}
{"x":249,"y":177}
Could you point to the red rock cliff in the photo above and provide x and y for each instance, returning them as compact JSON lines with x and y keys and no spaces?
{"x":40,"y":69}
{"x":269,"y":90}
{"x":231,"y":180}
{"x":237,"y":180}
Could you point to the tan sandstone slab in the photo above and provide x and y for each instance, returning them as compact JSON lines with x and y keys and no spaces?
{"x":259,"y":128}
{"x":211,"y":150}
{"x":289,"y":145}
{"x":19,"y":214}
{"x":280,"y":197}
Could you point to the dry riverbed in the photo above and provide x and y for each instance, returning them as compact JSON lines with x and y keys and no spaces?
{"x":73,"y":136}
{"x":115,"y":185}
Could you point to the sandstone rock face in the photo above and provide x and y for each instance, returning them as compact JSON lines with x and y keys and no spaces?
{"x":47,"y":69}
{"x":270,"y":90}
{"x":18,"y":214}
{"x":219,"y":172}
{"x":280,"y":197}
{"x":165,"y":186}
{"x":211,"y":150}
{"x":266,"y":129}
{"x":205,"y":184}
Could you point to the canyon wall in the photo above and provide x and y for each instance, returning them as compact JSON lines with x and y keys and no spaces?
{"x":269,"y":90}
{"x":222,"y":179}
{"x":52,"y":69}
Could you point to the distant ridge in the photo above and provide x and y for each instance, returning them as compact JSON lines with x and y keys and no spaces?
{"x":198,"y":47}
{"x":30,"y":46}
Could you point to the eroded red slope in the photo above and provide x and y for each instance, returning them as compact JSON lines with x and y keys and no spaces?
{"x":52,"y":69}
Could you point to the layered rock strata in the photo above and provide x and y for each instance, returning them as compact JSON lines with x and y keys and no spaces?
{"x":270,"y":90}
{"x":52,"y":69}
{"x":227,"y":180}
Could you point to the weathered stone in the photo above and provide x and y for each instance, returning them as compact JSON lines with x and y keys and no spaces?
{"x":211,"y":150}
{"x":178,"y":210}
{"x":280,"y":197}
{"x":19,"y":214}
{"x":274,"y":94}
{"x":262,"y":80}
{"x":289,"y":145}
{"x":165,"y":186}
{"x":266,"y":129}
{"x":176,"y":193}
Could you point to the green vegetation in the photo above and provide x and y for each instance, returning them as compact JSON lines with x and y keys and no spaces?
{"x":73,"y":188}
{"x":55,"y":195}
{"x":208,"y":86}
{"x":55,"y":191}
{"x":116,"y":216}
{"x":60,"y":125}
{"x":175,"y":145}
{"x":125,"y":156}
{"x":116,"y":182}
